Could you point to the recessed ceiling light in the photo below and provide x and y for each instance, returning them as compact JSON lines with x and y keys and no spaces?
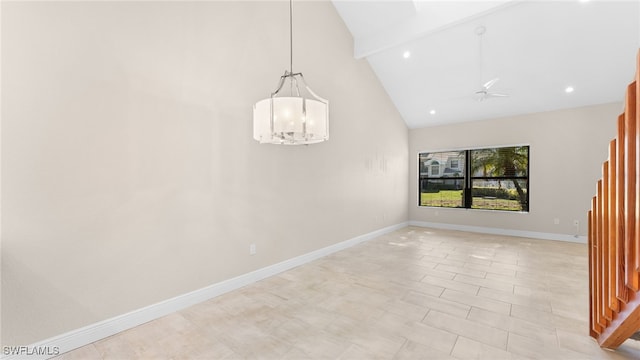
{"x":568,"y":89}
{"x":432,"y":112}
{"x":406,"y":54}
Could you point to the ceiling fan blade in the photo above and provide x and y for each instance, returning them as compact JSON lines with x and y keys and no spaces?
{"x":497,"y":95}
{"x":484,"y":95}
{"x":490,"y":83}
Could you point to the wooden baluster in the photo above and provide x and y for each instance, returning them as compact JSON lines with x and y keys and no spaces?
{"x":594,"y":327}
{"x":604,"y":241}
{"x":598,"y":265}
{"x":635,"y":106}
{"x":630,"y":186}
{"x":636,"y":115}
{"x":614,"y":304}
{"x":622,"y":292}
{"x":594,"y":262}
{"x":593,"y":331}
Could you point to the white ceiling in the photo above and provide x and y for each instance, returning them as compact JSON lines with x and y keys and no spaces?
{"x":536,"y":48}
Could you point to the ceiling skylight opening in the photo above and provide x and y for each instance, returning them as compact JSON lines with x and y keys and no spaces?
{"x":569,"y":89}
{"x":406,"y":54}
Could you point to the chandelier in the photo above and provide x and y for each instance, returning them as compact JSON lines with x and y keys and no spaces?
{"x":293,"y":114}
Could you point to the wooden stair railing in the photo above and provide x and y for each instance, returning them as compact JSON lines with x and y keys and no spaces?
{"x":614,"y":232}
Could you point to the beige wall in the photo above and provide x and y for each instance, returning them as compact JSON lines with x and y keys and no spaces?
{"x":566,"y":155}
{"x":130,"y":174}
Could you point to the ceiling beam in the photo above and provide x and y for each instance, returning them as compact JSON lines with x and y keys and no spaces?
{"x":430,"y":17}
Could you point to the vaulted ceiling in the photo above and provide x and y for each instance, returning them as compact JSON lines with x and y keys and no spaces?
{"x":431,"y":61}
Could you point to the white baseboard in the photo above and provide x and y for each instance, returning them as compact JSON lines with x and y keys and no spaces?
{"x":80,"y":337}
{"x":498,"y":231}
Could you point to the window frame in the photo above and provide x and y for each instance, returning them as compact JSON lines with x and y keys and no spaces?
{"x":468,"y":179}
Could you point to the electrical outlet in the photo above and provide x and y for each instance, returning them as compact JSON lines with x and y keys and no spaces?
{"x":252,"y":249}
{"x":556,"y":221}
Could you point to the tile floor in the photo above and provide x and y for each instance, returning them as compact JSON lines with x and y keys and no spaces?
{"x":416,"y":293}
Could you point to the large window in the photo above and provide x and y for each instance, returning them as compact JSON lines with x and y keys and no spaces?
{"x":490,"y":178}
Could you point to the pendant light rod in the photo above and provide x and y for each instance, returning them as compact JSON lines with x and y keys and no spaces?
{"x":291,"y":36}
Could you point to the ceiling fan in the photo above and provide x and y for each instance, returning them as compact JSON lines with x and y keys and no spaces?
{"x":484,"y":93}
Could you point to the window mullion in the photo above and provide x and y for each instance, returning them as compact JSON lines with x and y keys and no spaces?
{"x":467,"y":179}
